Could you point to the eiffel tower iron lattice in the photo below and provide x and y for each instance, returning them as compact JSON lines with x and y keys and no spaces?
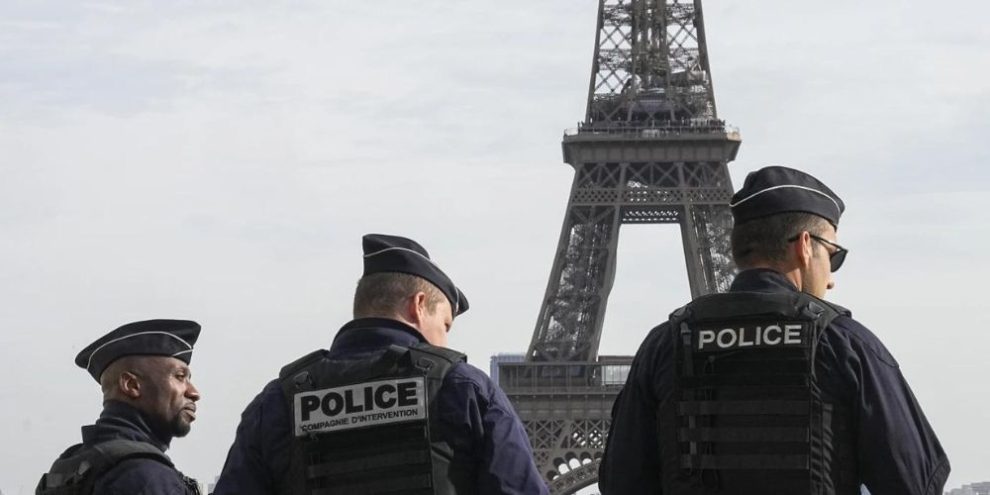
{"x":651,"y":149}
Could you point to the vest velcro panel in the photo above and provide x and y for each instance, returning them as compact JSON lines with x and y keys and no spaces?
{"x":355,"y":462}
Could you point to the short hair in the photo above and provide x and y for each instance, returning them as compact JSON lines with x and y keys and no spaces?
{"x":382,"y":294}
{"x":766,"y":239}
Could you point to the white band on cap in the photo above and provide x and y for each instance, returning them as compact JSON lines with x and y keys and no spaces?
{"x":757,"y":193}
{"x":98,"y":349}
{"x":457,"y":297}
{"x":187,"y":351}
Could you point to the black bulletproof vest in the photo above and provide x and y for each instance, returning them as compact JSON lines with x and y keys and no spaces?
{"x":364,"y":426}
{"x":747,"y":415}
{"x":80,"y":468}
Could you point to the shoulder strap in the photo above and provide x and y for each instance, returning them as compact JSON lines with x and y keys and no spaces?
{"x":80,"y":472}
{"x":435,"y":362}
{"x":292,"y":378}
{"x":819,"y":309}
{"x":839,"y":310}
{"x":735,"y":304}
{"x":117,"y":450}
{"x":451,"y":356}
{"x":300,"y":363}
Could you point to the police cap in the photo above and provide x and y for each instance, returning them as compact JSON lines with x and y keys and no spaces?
{"x":172,"y":338}
{"x":772,"y":190}
{"x":390,"y":253}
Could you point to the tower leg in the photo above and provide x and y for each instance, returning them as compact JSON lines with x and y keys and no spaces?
{"x":582,"y":277}
{"x":706,"y":227}
{"x":705,"y":230}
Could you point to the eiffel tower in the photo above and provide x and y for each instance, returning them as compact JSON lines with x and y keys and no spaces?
{"x":651,"y":149}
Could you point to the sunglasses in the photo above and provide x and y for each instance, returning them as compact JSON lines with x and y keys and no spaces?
{"x":835,"y":257}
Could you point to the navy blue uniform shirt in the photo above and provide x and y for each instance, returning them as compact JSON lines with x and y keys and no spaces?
{"x":138,"y":476}
{"x":896,"y":450}
{"x":476,"y":419}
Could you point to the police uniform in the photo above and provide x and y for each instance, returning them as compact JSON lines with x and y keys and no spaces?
{"x":122,"y":453}
{"x":382,"y":411}
{"x":766,"y":389}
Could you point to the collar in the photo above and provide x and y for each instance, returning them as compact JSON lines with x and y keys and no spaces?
{"x":121,"y":420}
{"x":762,"y":280}
{"x":369,"y":334}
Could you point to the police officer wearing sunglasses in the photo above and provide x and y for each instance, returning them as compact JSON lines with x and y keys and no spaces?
{"x":769,"y":388}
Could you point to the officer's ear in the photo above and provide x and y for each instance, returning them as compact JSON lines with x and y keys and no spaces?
{"x":802,"y":250}
{"x":129,"y":384}
{"x":417,"y":308}
{"x":121,"y":379}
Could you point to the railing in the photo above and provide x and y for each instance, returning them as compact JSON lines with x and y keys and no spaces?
{"x":650,"y":129}
{"x":564,"y":377}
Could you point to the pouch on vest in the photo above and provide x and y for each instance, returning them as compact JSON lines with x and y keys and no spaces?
{"x":747,"y":411}
{"x":364,"y":426}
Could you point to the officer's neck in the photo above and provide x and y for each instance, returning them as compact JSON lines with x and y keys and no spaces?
{"x":789,"y":270}
{"x":123,"y":414}
{"x":408,"y":320}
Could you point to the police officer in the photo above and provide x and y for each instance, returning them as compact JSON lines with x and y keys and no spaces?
{"x":387,"y":409}
{"x":148,"y":399}
{"x":768,"y":388}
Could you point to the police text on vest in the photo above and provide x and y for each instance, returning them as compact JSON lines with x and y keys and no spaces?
{"x":770,"y":334}
{"x":363,"y":404}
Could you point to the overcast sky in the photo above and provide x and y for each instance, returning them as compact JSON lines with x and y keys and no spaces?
{"x":219,"y":161}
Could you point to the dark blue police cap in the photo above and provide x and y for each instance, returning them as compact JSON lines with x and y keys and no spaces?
{"x":390,"y":253}
{"x":173,"y":338}
{"x":772,"y":190}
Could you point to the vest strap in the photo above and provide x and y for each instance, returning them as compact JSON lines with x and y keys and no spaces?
{"x":743,"y":434}
{"x":405,"y":484}
{"x":743,"y":408}
{"x":79,"y":472}
{"x":759,"y":462}
{"x":381,"y":461}
{"x":801,"y":381}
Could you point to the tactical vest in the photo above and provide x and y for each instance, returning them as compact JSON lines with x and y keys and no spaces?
{"x":80,"y":468}
{"x":368,"y":426}
{"x":747,"y":415}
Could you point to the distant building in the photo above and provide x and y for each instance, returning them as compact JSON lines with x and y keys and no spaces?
{"x":503,"y":358}
{"x":972,"y":489}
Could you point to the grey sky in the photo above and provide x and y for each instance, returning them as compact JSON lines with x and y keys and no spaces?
{"x":220,"y":160}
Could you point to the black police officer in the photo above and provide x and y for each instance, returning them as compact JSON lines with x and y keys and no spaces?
{"x":148,"y":398}
{"x":768,"y":388}
{"x":387,"y":409}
